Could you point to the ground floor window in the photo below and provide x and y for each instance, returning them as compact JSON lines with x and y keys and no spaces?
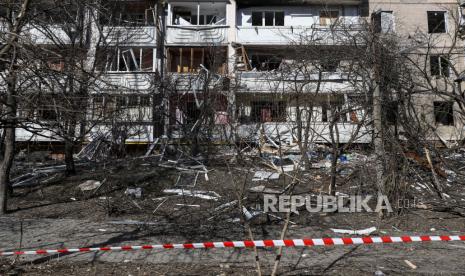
{"x":444,"y":113}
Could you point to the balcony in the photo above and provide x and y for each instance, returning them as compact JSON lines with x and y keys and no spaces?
{"x":295,"y":35}
{"x":196,"y":23}
{"x":197,"y":35}
{"x":273,"y":82}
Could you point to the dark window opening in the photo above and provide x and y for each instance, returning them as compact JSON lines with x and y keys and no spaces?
{"x":145,"y":101}
{"x":444,"y":113}
{"x":257,"y":18}
{"x":329,"y":65}
{"x":269,"y":17}
{"x":268,"y":111}
{"x":120,"y":101}
{"x":341,"y":115}
{"x":265,"y":62}
{"x":279,"y":19}
{"x":272,"y":18}
{"x":191,"y":112}
{"x":439,"y":66}
{"x":47,"y":114}
{"x":133,"y":101}
{"x":324,"y":113}
{"x":436,"y":22}
{"x":390,"y":112}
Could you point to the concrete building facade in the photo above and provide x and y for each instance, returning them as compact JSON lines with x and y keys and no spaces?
{"x":248,"y":49}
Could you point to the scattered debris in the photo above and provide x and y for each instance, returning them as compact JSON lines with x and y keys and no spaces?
{"x":209,"y":195}
{"x":264,"y":175}
{"x":188,"y":205}
{"x":410,"y":264}
{"x":134,"y":192}
{"x":367,"y":231}
{"x":263,"y":189}
{"x":90,"y":185}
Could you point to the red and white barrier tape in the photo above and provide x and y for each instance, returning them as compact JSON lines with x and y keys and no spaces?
{"x":244,"y":244}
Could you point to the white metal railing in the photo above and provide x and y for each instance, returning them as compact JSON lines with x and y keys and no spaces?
{"x":197,"y":35}
{"x":139,"y":36}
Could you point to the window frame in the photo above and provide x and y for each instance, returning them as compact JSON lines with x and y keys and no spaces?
{"x":328,"y":11}
{"x":441,"y":64}
{"x":435,"y":30}
{"x":263,"y":18}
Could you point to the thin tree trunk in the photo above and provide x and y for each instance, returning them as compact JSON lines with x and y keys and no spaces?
{"x":9,"y":144}
{"x":378,"y":140}
{"x":69,"y":159}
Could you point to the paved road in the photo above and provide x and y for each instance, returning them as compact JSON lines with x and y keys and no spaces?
{"x":430,"y":259}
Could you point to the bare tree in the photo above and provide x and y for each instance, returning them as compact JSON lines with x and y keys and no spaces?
{"x":14,"y":18}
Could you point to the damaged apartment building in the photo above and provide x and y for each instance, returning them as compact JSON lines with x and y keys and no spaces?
{"x":243,"y":66}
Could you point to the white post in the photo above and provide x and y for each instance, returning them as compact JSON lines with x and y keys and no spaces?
{"x":117,"y":59}
{"x":154,"y":60}
{"x":198,"y":14}
{"x":170,"y":15}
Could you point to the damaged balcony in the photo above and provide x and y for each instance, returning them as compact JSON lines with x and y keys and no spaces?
{"x":276,"y":116}
{"x":188,"y":67}
{"x":197,"y":23}
{"x":127,"y":68}
{"x":265,"y":69}
{"x":130,"y":22}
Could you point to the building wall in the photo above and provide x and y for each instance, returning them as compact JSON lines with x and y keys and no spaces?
{"x":411,"y":18}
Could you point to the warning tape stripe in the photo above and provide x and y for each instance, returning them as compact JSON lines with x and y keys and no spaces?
{"x":246,"y":244}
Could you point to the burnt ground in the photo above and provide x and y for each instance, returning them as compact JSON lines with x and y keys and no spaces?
{"x":161,"y":217}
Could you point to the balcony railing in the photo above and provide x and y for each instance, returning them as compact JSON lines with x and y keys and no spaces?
{"x":139,"y":81}
{"x":138,"y":36}
{"x":272,"y":82}
{"x":197,"y":35}
{"x":285,"y":35}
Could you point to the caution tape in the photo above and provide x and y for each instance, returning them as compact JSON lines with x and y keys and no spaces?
{"x":248,"y":244}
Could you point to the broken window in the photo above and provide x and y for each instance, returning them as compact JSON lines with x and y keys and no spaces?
{"x":329,"y":65}
{"x":187,"y":14}
{"x":444,"y":113}
{"x":439,"y":66}
{"x":188,"y":60}
{"x":137,"y":13}
{"x":268,"y":18}
{"x":268,"y":111}
{"x":436,"y":22}
{"x":97,"y":106}
{"x":328,"y":17}
{"x":130,"y":60}
{"x":384,"y":21}
{"x":266,"y":62}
